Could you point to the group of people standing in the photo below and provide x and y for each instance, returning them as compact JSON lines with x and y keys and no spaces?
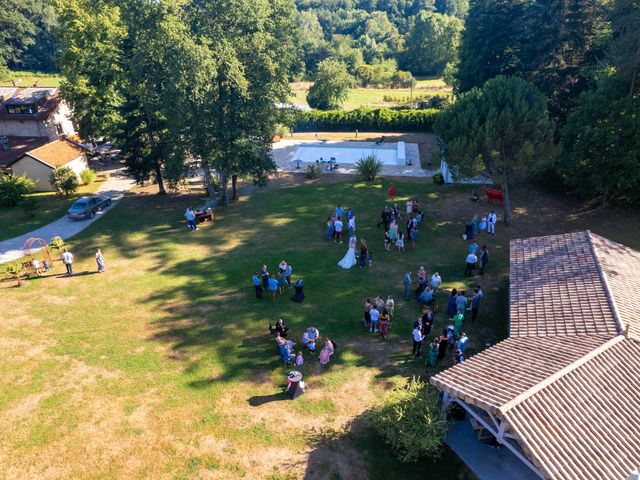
{"x":475,"y":254}
{"x":67,"y":259}
{"x":391,"y":218}
{"x":265,"y":282}
{"x":378,"y":315}
{"x":480,"y":224}
{"x":339,"y":222}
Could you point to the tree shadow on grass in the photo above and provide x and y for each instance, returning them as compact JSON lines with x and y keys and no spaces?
{"x":258,"y":400}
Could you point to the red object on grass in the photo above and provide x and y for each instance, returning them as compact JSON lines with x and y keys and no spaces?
{"x":392,"y":190}
{"x":494,"y":194}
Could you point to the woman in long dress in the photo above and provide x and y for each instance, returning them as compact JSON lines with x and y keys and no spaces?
{"x":327,"y":351}
{"x":349,"y":259}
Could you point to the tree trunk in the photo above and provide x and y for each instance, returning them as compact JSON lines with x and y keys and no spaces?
{"x":634,"y":72}
{"x":506,"y":204}
{"x":159,"y":178}
{"x":207,"y":179}
{"x":234,"y":187}
{"x":224,"y":199}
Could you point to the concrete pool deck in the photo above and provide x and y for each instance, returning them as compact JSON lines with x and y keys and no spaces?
{"x":284,"y":153}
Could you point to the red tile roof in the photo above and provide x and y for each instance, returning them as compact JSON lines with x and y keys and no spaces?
{"x":557,"y":288}
{"x":566,"y":384}
{"x":56,"y":153}
{"x":18,"y":146}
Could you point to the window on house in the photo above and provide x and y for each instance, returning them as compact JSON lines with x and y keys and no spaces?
{"x":22,"y":109}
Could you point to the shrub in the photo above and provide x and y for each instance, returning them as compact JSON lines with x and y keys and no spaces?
{"x":64,"y":181}
{"x":14,"y":188}
{"x":369,"y":167}
{"x":29,"y":206}
{"x":314,"y":170}
{"x":87,"y":176}
{"x":366,"y":119}
{"x":56,"y":243}
{"x":438,"y":179}
{"x":409,"y":421}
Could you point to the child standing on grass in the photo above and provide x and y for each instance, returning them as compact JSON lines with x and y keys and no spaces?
{"x":400,"y":242}
{"x":100,"y":261}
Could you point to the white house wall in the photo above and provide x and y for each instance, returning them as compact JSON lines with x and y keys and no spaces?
{"x":36,"y":171}
{"x":39,"y":172}
{"x":41,"y":128}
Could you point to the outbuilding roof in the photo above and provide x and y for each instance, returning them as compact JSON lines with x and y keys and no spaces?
{"x":57,"y":153}
{"x":566,"y":384}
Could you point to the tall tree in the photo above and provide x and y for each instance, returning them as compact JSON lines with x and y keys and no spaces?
{"x":501,"y":130}
{"x":625,"y":42}
{"x":331,"y":85}
{"x":431,"y":43}
{"x":492,"y":42}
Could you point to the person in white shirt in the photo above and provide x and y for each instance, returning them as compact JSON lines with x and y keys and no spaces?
{"x":67,"y":259}
{"x":352,"y":226}
{"x":471,"y":264}
{"x":337,"y":227}
{"x":36,"y":265}
{"x":435,"y":282}
{"x":492,"y":218}
{"x":409,"y":207}
{"x":417,"y":341}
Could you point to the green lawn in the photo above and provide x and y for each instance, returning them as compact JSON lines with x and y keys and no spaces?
{"x":27,"y":79}
{"x":50,"y":207}
{"x":162,"y":367}
{"x":374,"y":97}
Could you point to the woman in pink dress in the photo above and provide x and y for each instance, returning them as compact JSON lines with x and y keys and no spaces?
{"x":327,"y":351}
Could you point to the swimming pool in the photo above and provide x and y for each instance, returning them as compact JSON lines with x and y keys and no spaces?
{"x":388,"y":155}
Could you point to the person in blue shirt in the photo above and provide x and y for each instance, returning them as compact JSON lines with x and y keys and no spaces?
{"x":287,"y":273}
{"x":474,"y":247}
{"x":407,"y":285}
{"x":257,"y":283}
{"x":273,"y":287}
{"x":339,"y":211}
{"x":426,"y":297}
{"x":463,"y":342}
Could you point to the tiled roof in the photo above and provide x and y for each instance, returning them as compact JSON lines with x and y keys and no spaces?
{"x":56,"y":153}
{"x":620,"y":266}
{"x":17,"y":147}
{"x":566,"y":384}
{"x":501,"y":373}
{"x":47,"y":98}
{"x":586,"y":424}
{"x":556,"y":288}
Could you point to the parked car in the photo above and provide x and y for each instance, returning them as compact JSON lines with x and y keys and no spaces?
{"x":86,"y":207}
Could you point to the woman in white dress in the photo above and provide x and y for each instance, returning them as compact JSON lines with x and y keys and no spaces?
{"x":349,"y":259}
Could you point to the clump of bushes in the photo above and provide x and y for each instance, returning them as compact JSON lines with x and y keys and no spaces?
{"x":369,"y":167}
{"x":14,"y":188}
{"x":438,"y":179}
{"x":87,"y":176}
{"x":409,"y":421}
{"x":56,"y":243}
{"x":313,"y":171}
{"x":64,"y":181}
{"x":381,"y":119}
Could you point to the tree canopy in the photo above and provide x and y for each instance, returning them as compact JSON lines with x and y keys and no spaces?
{"x":331,"y":85}
{"x":501,"y":130}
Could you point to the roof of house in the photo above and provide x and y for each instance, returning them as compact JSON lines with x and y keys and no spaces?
{"x":18,"y":146}
{"x":497,"y":375}
{"x":48,"y":100}
{"x":566,"y":383}
{"x":57,"y":153}
{"x":557,"y":288}
{"x":586,"y":424}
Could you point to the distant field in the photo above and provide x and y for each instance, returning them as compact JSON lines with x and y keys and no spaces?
{"x":374,"y":97}
{"x":27,"y":79}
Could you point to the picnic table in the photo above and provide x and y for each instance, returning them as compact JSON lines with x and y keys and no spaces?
{"x":204,"y":215}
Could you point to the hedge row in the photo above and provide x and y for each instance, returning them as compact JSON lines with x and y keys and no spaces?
{"x":382,"y":119}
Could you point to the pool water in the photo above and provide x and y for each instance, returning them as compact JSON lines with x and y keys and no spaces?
{"x":346,"y":155}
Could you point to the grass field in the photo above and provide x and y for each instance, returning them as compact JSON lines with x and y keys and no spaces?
{"x":50,"y":207}
{"x":374,"y":97}
{"x":27,"y":79}
{"x":162,"y":367}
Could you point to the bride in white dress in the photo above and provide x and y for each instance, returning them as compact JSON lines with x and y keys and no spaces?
{"x":349,"y":259}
